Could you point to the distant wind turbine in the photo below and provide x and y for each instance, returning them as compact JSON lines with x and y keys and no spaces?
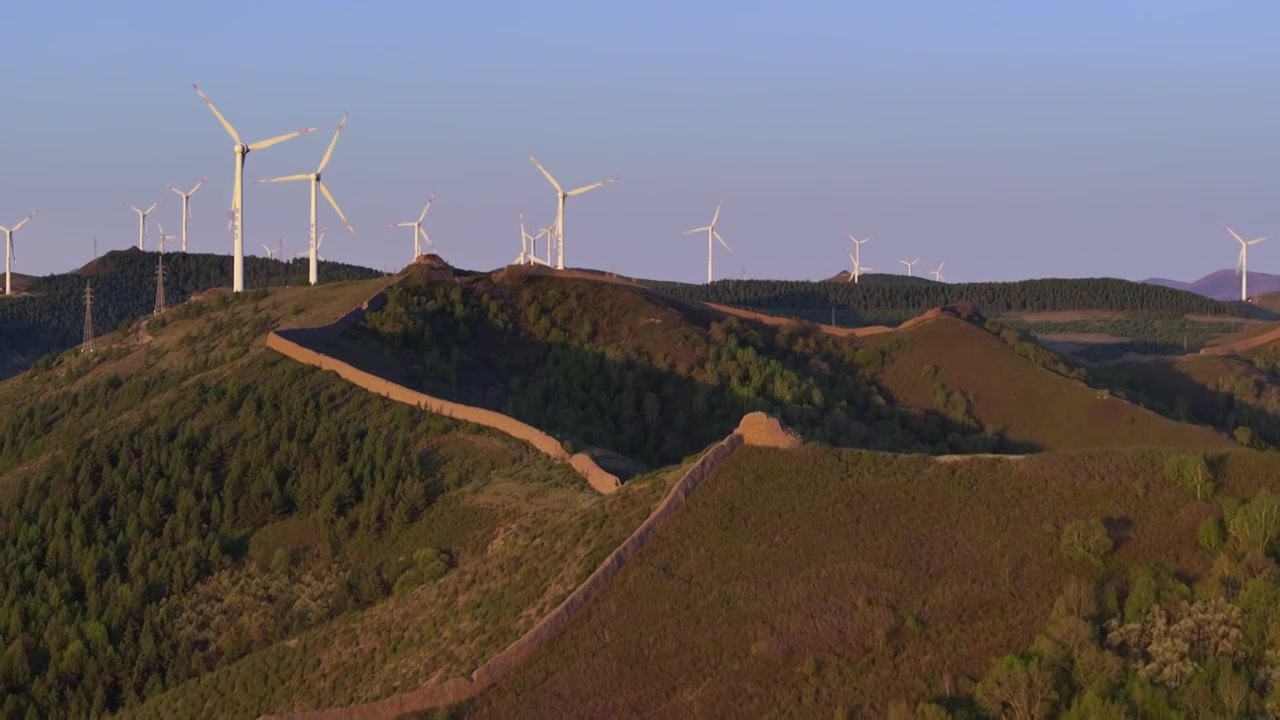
{"x":271,"y":252}
{"x":163,"y":237}
{"x":910,"y":265}
{"x":419,"y":234}
{"x":186,"y":208}
{"x":856,"y":257}
{"x":937,"y":274}
{"x":8,"y":248}
{"x":1242,"y":265}
{"x":529,"y":245}
{"x":142,"y":221}
{"x":858,"y":268}
{"x":237,"y":192}
{"x":317,"y":183}
{"x":712,"y":236}
{"x":319,"y":242}
{"x":561,"y":196}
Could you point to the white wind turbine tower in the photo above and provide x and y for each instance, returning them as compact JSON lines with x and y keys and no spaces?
{"x":8,"y":248}
{"x":1242,"y":265}
{"x":910,"y":265}
{"x":856,"y":257}
{"x":937,"y":274}
{"x":712,"y":236}
{"x":419,"y":234}
{"x":561,"y":196}
{"x":142,"y":221}
{"x":237,"y":191}
{"x":317,"y":183}
{"x":186,"y":208}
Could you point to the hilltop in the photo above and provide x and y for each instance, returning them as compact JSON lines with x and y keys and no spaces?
{"x":48,"y":317}
{"x":1223,"y":284}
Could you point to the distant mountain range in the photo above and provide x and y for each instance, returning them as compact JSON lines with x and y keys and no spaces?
{"x":1223,"y":284}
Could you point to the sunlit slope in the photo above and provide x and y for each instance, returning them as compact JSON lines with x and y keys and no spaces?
{"x":950,"y":363}
{"x":828,"y":583}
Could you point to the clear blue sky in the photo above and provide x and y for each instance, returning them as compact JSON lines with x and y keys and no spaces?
{"x":1010,"y":139}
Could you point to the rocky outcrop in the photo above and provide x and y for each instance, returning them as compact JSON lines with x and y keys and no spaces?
{"x":765,"y":430}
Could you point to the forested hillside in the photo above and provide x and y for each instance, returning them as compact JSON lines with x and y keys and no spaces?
{"x":174,"y":503}
{"x":891,"y":299}
{"x":49,"y":316}
{"x":622,"y":368}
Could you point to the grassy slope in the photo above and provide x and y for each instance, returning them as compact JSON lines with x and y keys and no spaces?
{"x":902,"y":574}
{"x":1037,"y":409}
{"x":522,"y":546}
{"x":523,"y":530}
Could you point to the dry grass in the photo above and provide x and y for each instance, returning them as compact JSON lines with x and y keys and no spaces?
{"x":1035,"y":408}
{"x":521,"y":547}
{"x":810,"y":582}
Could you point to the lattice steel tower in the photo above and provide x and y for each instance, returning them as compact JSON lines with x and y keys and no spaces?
{"x":159,"y":285}
{"x":86,"y":345}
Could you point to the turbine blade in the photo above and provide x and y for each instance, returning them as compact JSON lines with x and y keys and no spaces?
{"x":1233,"y":234}
{"x":226,"y":125}
{"x":406,"y":224}
{"x":180,"y":193}
{"x":263,"y":144}
{"x":329,"y":196}
{"x":135,"y":209}
{"x":1256,"y":241}
{"x":329,"y":153}
{"x":550,"y":179}
{"x":592,"y":186}
{"x":153,"y":207}
{"x":722,"y":242}
{"x":425,"y":237}
{"x":716,"y":216}
{"x":22,"y":222}
{"x":425,"y":208}
{"x":286,"y":178}
{"x":197,"y":187}
{"x":701,"y":229}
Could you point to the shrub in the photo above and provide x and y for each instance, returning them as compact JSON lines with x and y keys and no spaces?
{"x":1192,"y":472}
{"x":1085,"y":542}
{"x":1209,"y":536}
{"x":1256,"y":524}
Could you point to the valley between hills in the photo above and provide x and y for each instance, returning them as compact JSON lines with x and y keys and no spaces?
{"x":536,"y":493}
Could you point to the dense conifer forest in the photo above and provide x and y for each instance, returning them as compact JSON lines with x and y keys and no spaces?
{"x":50,"y":318}
{"x":891,"y":299}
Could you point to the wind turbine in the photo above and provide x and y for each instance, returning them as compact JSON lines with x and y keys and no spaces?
{"x":858,"y":269}
{"x":1242,"y":265}
{"x":237,"y":192}
{"x":271,"y":254}
{"x":186,"y":208}
{"x":8,"y":248}
{"x":316,"y":182}
{"x":418,"y":232}
{"x":142,"y":221}
{"x":937,"y":274}
{"x":315,"y":252}
{"x":163,"y":237}
{"x":909,"y":265}
{"x":712,"y":236}
{"x":561,"y":196}
{"x":856,"y":257}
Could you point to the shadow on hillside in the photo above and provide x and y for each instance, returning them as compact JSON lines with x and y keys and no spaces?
{"x":1163,"y":387}
{"x":628,"y":414}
